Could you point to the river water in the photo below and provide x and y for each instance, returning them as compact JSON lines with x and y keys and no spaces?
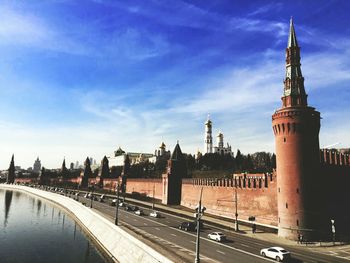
{"x":34,"y":231}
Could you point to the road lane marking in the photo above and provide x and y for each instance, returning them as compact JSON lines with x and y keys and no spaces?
{"x":221,"y":252}
{"x":157,"y":228}
{"x":145,"y":224}
{"x":173,"y":235}
{"x":194,"y":242}
{"x":203,"y":238}
{"x":245,"y":245}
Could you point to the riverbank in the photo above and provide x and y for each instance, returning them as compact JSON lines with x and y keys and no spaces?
{"x":115,"y":242}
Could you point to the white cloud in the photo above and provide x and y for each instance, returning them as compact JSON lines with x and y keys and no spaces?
{"x":18,"y":28}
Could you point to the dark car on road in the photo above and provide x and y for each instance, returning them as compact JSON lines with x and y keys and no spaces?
{"x":187,"y":226}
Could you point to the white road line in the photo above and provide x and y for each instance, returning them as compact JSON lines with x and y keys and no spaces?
{"x":203,"y":238}
{"x":157,"y":228}
{"x":173,"y":235}
{"x":245,"y":245}
{"x":221,"y":252}
{"x":145,"y":224}
{"x":342,"y":257}
{"x":194,"y":242}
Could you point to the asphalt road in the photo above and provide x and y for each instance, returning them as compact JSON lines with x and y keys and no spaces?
{"x":164,"y":231}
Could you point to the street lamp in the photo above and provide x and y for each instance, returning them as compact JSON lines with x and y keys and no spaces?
{"x":199,"y":213}
{"x":117,"y":205}
{"x":153,"y":198}
{"x":92,"y":195}
{"x":236,"y":213}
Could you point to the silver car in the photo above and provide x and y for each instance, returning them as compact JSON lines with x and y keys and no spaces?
{"x":278,"y":253}
{"x":217,"y":236}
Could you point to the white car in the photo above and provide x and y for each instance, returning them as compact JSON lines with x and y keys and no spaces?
{"x":217,"y":236}
{"x":278,"y":253}
{"x":139,"y":212}
{"x":154,"y":214}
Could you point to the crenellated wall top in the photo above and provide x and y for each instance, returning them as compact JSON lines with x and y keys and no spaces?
{"x":334,"y":158}
{"x":244,"y":180}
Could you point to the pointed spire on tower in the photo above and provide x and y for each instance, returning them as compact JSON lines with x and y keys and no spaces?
{"x":292,"y":39}
{"x":177,"y":153}
{"x":294,"y":94}
{"x":11,"y":171}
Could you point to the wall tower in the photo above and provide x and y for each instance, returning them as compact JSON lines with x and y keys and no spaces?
{"x":296,"y":127}
{"x":208,"y":139}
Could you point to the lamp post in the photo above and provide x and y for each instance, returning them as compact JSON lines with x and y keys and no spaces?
{"x":236,"y":212}
{"x":92,"y":195}
{"x":199,"y":214}
{"x":117,"y":205}
{"x":333,"y":231}
{"x":153,"y":197}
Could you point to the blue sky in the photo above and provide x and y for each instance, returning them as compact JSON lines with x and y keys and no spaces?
{"x":80,"y":78}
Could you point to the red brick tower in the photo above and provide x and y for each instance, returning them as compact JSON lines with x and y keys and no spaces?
{"x":296,"y":127}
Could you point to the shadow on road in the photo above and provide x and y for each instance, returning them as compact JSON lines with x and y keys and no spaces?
{"x":295,"y":260}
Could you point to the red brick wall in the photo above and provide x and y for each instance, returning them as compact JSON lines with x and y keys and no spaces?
{"x":145,"y":186}
{"x":219,"y":200}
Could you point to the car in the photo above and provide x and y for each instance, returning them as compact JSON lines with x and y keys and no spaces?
{"x":114,"y":202}
{"x":277,"y":253}
{"x":102,"y":197}
{"x":139,"y":212}
{"x":154,"y":214}
{"x":121,"y":204}
{"x":187,"y":226}
{"x":134,"y":208}
{"x":217,"y":236}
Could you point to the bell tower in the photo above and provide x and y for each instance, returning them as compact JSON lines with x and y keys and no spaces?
{"x":208,"y":138}
{"x":296,"y":127}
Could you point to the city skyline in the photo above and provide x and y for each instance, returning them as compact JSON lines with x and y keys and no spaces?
{"x":79,"y":82}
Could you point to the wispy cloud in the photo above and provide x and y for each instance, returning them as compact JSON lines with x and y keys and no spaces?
{"x":266,"y":8}
{"x":21,"y":29}
{"x":135,"y":45}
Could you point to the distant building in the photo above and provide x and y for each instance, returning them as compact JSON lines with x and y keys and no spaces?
{"x":220,"y":148}
{"x":160,"y":153}
{"x":208,"y":138}
{"x":208,"y":142}
{"x":135,"y":157}
{"x":37,"y":166}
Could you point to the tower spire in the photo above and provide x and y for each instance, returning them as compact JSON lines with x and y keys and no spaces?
{"x":294,"y":92}
{"x":292,"y":39}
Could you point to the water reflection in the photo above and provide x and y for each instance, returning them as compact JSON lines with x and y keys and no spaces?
{"x":31,"y":235}
{"x":8,"y":200}
{"x":87,"y":252}
{"x":38,"y":207}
